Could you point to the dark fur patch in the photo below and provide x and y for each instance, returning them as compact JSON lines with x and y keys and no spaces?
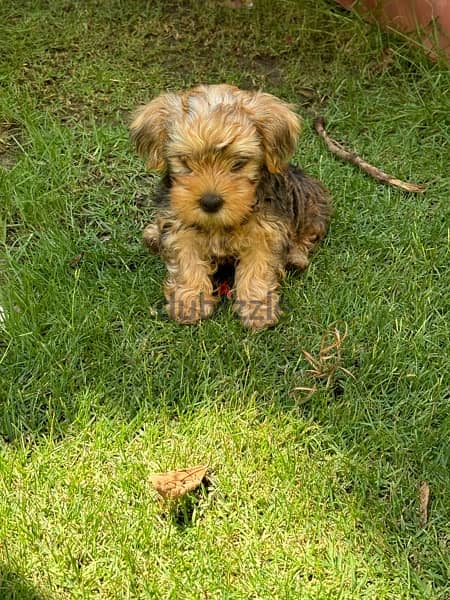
{"x":293,"y":196}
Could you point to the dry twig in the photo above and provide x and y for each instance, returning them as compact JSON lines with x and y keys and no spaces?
{"x":424,"y":498}
{"x":329,"y":360}
{"x":344,"y":154}
{"x":328,"y":363}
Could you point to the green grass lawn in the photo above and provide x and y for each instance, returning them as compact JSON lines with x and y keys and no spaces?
{"x":314,"y":494}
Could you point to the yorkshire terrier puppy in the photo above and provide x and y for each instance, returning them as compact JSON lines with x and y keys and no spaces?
{"x":228,"y":194}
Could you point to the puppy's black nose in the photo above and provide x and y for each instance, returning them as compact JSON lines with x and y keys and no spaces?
{"x":211,"y":203}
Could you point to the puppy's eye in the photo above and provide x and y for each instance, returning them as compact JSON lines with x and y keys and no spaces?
{"x":184,"y":164}
{"x":238,"y":165}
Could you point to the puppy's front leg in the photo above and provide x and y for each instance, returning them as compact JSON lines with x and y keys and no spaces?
{"x":188,"y":288}
{"x":257,"y":280}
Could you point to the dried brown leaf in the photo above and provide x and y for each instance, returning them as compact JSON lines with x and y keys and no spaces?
{"x":174,"y":484}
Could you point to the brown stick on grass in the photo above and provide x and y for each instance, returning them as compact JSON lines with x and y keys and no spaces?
{"x":424,"y":499}
{"x":337,"y":148}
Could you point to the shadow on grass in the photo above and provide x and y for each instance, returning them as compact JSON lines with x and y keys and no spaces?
{"x":14,"y":587}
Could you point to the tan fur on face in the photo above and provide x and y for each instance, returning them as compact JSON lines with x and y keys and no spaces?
{"x":215,"y":140}
{"x":238,"y":194}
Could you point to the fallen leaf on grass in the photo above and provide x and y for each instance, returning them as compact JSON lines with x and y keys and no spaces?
{"x":175,"y":484}
{"x":424,"y":498}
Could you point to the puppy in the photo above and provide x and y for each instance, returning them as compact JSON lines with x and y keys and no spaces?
{"x":228,"y":194}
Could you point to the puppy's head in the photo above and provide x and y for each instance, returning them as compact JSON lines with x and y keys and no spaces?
{"x":214,"y":141}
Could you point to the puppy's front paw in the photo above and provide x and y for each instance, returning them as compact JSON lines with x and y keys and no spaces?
{"x":258,"y":314}
{"x":189,"y":307}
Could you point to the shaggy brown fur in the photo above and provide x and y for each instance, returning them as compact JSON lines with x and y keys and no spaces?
{"x":228,"y":194}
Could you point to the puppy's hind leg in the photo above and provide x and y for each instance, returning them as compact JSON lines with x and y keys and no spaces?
{"x":297,"y":257}
{"x":315,"y":214}
{"x":302,"y":246}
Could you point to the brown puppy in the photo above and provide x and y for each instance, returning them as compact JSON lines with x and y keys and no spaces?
{"x":228,"y":194}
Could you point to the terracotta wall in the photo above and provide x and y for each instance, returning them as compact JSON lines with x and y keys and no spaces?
{"x":428,"y":20}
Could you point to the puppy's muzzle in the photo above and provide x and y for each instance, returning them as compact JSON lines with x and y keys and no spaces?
{"x":211,"y":203}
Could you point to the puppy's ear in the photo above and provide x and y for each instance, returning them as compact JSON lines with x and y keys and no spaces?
{"x":149,"y":129}
{"x":278,"y":126}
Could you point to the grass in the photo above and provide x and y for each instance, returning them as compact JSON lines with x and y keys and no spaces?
{"x":314,"y":495}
